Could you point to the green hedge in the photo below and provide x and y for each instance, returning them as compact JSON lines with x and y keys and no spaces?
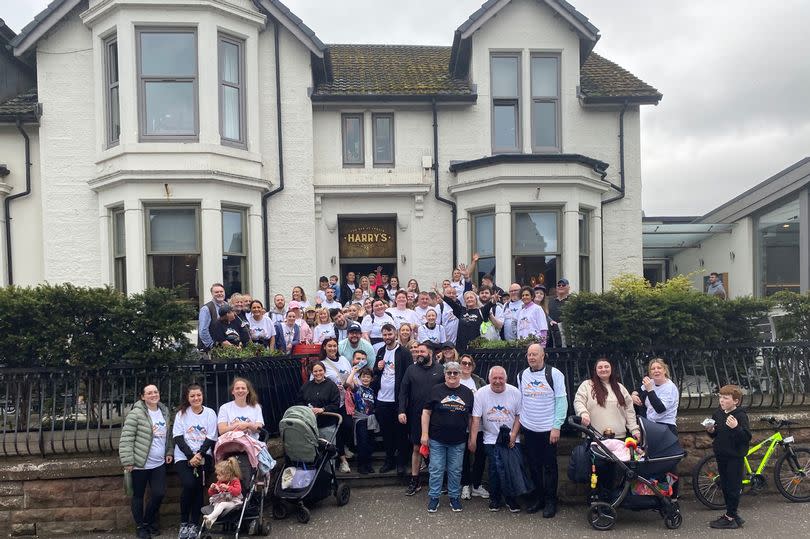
{"x":59,"y":325}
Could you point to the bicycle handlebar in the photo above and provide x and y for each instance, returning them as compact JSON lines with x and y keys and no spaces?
{"x":777,"y":423}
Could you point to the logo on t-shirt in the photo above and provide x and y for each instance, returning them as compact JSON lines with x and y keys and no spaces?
{"x":498,"y":410}
{"x":453,"y":403}
{"x":535,"y":388}
{"x":240,"y":418}
{"x":159,"y":429}
{"x":196,"y":433}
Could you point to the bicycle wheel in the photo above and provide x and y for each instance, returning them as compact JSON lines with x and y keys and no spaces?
{"x":706,"y":483}
{"x":793,"y":476}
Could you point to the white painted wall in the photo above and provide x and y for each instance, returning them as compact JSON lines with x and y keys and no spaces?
{"x":716,"y":255}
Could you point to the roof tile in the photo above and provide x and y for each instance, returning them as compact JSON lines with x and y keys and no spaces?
{"x":23,"y":105}
{"x":599,"y":77}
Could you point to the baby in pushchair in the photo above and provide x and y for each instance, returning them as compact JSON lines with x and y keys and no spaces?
{"x":646,"y":479}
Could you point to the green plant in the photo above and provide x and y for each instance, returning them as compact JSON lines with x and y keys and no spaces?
{"x":481,"y":343}
{"x":252,"y":350}
{"x":795,"y":322}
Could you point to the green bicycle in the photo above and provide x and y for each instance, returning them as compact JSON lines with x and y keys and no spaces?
{"x":791,"y":471}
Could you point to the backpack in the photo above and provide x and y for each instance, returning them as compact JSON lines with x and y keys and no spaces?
{"x":549,"y":377}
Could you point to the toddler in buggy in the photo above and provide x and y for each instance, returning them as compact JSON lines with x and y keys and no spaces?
{"x":646,"y":481}
{"x":239,"y":512}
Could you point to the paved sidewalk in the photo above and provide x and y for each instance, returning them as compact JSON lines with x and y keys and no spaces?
{"x":386,"y":512}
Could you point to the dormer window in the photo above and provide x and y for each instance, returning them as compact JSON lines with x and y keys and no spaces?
{"x":167,"y":84}
{"x":545,"y":123}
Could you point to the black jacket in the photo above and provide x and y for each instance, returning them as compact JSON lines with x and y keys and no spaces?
{"x":324,"y":395}
{"x":219,"y":329}
{"x":730,"y":442}
{"x":346,"y":293}
{"x":402,"y":360}
{"x":415,"y":388}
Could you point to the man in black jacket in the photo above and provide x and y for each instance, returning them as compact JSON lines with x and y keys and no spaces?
{"x":389,"y":369}
{"x":347,"y":288}
{"x":414,"y":392}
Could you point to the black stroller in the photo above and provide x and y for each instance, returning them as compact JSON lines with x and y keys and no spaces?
{"x":309,"y":472}
{"x":646,"y":481}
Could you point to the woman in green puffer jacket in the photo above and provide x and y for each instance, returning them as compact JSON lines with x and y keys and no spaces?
{"x":144,"y":449}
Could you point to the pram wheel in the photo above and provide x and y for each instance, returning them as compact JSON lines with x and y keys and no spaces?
{"x":259,"y":529}
{"x":601,"y":516}
{"x":343,"y":494}
{"x":674,"y":521}
{"x":279,"y":511}
{"x":303,"y":515}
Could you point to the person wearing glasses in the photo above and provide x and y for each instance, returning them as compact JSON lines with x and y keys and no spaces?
{"x":555,"y":307}
{"x":476,"y":458}
{"x":445,"y":423}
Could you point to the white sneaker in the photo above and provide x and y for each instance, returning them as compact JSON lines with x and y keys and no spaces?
{"x":344,"y":467}
{"x":184,"y":531}
{"x":465,"y":492}
{"x":348,"y":453}
{"x":481,"y":492}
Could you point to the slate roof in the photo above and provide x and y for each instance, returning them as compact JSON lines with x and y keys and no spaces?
{"x":390,"y":70}
{"x":403,"y":71}
{"x":489,"y":4}
{"x":22,"y":106}
{"x":603,"y":80}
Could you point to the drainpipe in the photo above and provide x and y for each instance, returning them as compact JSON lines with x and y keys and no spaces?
{"x":267,"y":195}
{"x":7,"y":201}
{"x":453,"y":209}
{"x":620,"y":189}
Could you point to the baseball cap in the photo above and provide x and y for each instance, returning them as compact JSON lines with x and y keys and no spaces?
{"x":539,"y":287}
{"x":294,"y":305}
{"x":224,"y":309}
{"x":353,"y":327}
{"x":563,"y":282}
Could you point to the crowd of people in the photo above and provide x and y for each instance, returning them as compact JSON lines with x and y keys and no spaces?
{"x":453,"y":313}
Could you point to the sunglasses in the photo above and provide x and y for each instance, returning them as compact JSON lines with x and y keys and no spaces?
{"x":452,"y":373}
{"x":466,"y":362}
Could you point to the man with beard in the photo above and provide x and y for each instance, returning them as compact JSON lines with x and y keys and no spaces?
{"x":208,"y":316}
{"x":354,"y":342}
{"x":279,"y":310}
{"x":341,"y":324}
{"x":390,"y":365}
{"x":414,"y":393}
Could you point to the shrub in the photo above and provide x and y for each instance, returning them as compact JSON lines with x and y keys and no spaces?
{"x":795,"y":322}
{"x":61,"y":325}
{"x":252,"y":350}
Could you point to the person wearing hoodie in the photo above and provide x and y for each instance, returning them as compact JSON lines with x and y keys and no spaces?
{"x":144,"y":449}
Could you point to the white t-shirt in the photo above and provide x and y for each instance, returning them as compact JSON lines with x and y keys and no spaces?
{"x":496,"y":409}
{"x":261,"y":329}
{"x":670,"y":397}
{"x":510,"y":312}
{"x":402,"y":316}
{"x":387,"y":380}
{"x":338,"y":371}
{"x":157,"y":452}
{"x":459,"y":287}
{"x":331,"y":305}
{"x":373,"y":328}
{"x":195,"y":428}
{"x":435,"y":335}
{"x":469,"y":382}
{"x":322,"y":331}
{"x":537,"y":403}
{"x":320,"y":295}
{"x":421,"y":314}
{"x":531,"y":320}
{"x":230,"y":413}
{"x":450,"y":323}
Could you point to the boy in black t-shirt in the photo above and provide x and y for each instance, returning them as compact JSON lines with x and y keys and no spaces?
{"x":729,"y":428}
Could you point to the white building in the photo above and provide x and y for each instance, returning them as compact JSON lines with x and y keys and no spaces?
{"x":758,"y":242}
{"x":191,"y":142}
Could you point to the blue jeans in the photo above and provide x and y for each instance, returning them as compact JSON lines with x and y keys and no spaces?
{"x":494,"y":480}
{"x":445,"y":458}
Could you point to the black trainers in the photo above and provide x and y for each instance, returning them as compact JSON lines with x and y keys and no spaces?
{"x":739,"y":520}
{"x":494,"y":506}
{"x":512,"y":505}
{"x":724,"y":523}
{"x":550,"y":510}
{"x":413,"y":487}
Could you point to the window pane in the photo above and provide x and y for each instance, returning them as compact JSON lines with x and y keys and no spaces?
{"x":533,"y":270}
{"x":485,"y":235}
{"x":172,"y":271}
{"x":115,"y":115}
{"x":505,"y":126}
{"x":232,"y":231}
{"x":504,"y":75}
{"x":170,"y":108}
{"x":383,"y":140}
{"x":484,"y":266}
{"x":544,"y":125}
{"x":230,"y":113}
{"x":119,"y":238}
{"x":584,"y":241}
{"x":230,"y":61}
{"x":168,"y":53}
{"x":779,"y":249}
{"x":584,"y":274}
{"x":112,"y":62}
{"x":173,"y":230}
{"x":544,"y":77}
{"x":352,"y":140}
{"x":536,"y":232}
{"x":233,"y":274}
{"x":120,"y":270}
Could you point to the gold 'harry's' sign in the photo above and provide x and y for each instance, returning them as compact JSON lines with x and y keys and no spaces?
{"x":364,"y":239}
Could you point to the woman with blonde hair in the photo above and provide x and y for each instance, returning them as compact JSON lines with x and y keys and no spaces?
{"x":325,"y":327}
{"x":406,"y":335}
{"x":659,"y":395}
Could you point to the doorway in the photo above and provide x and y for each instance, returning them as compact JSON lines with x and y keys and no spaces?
{"x":366,"y":243}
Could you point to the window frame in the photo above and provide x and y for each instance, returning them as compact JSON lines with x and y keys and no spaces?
{"x":584,"y":222}
{"x":148,"y":237}
{"x":243,"y":254}
{"x":496,"y":100}
{"x":474,"y":237}
{"x":556,"y":100}
{"x":360,"y":116}
{"x":240,"y":87}
{"x":109,"y":85}
{"x":118,"y":259}
{"x":558,"y":254}
{"x":374,"y":117}
{"x":142,"y":80}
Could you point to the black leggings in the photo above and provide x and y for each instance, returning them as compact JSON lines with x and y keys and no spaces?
{"x":156,"y":479}
{"x":731,"y":477}
{"x":479,"y":459}
{"x":193,"y":490}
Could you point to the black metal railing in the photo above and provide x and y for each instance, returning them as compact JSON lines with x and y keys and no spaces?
{"x":55,"y":411}
{"x":61,"y":411}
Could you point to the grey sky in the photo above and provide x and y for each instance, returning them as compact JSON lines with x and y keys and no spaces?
{"x":734,"y":76}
